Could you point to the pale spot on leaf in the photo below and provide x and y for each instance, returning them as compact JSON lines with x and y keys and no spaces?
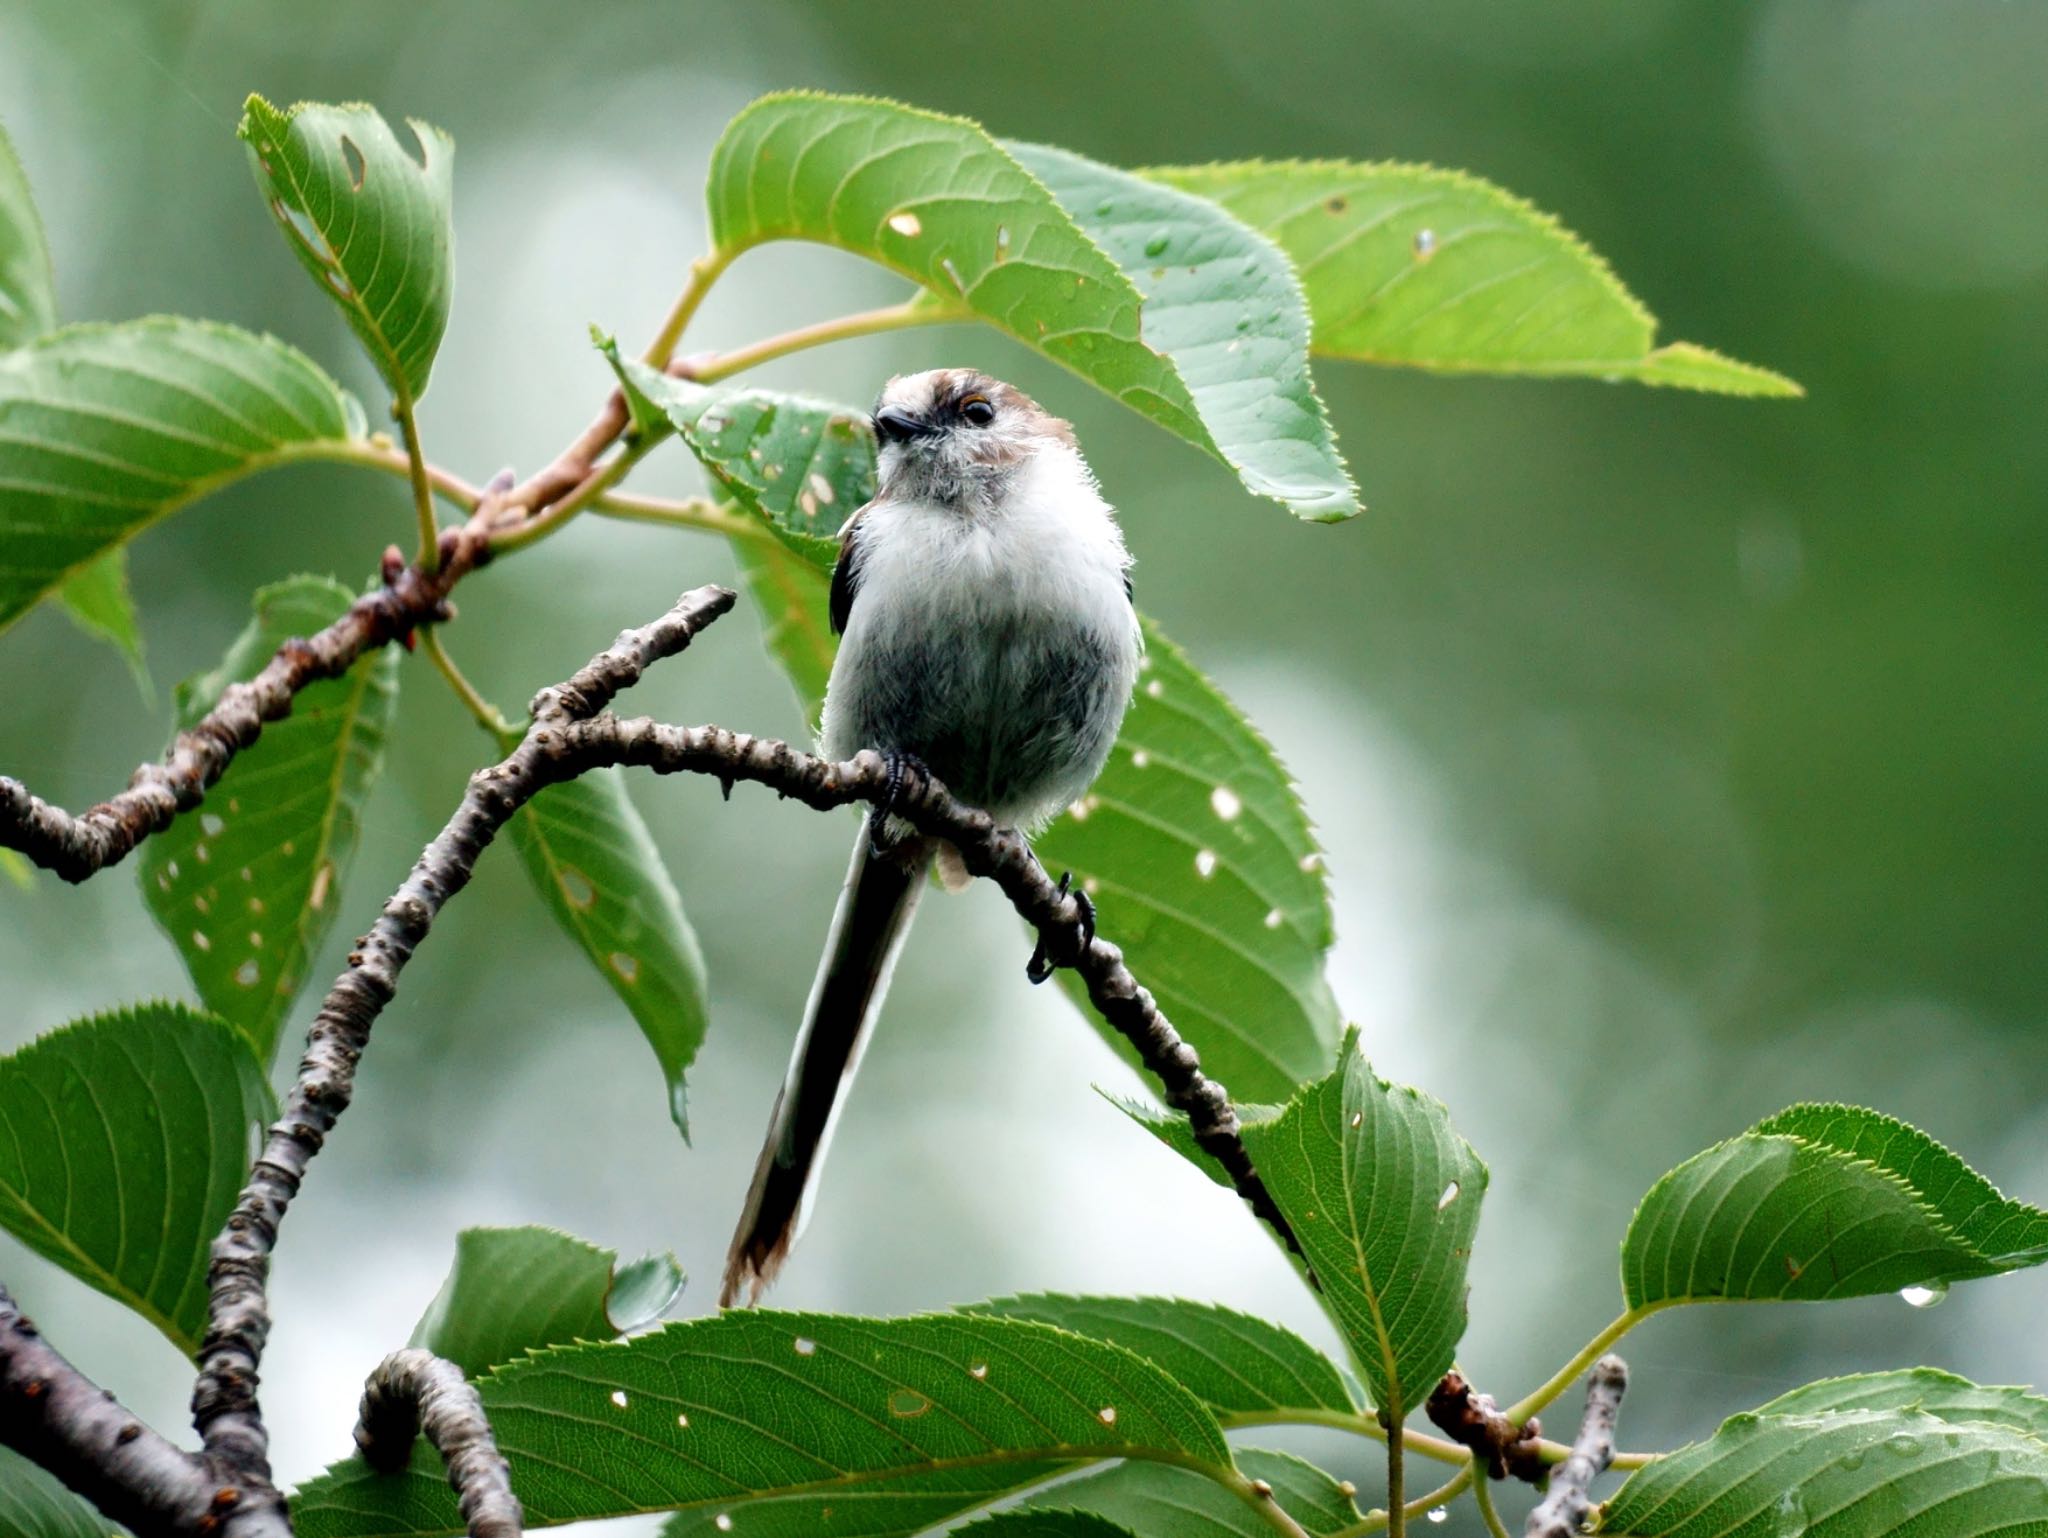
{"x":1205,"y":863}
{"x":905,"y":223}
{"x":628,"y":967}
{"x":577,"y":890}
{"x":1225,"y":802}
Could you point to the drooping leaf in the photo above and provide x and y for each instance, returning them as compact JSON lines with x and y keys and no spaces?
{"x":34,"y":1504}
{"x":1822,"y":1202}
{"x":1856,"y":1474}
{"x":249,"y":885}
{"x":28,"y":288}
{"x":702,"y":1414}
{"x":1223,"y":303}
{"x":596,"y":866}
{"x":1203,"y":867}
{"x":105,"y":429}
{"x":1408,"y":264}
{"x":939,"y":201}
{"x":370,"y":219}
{"x":1245,"y":1369}
{"x":123,"y":1142}
{"x":793,"y":599}
{"x":1153,"y":1498}
{"x":515,"y":1290}
{"x":96,"y":597}
{"x":1941,"y":1394}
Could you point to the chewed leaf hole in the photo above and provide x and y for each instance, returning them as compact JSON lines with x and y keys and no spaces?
{"x":628,"y":967}
{"x":907,"y":1403}
{"x":576,"y":888}
{"x":354,"y":157}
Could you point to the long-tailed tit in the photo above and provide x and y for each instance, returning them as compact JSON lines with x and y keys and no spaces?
{"x":983,"y":605}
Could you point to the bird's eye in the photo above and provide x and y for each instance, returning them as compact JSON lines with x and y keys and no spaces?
{"x":977,"y":411}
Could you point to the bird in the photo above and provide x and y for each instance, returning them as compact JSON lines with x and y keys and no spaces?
{"x":982,"y":599}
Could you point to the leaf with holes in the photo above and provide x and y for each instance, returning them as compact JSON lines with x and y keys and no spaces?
{"x":939,"y":201}
{"x":515,"y":1290}
{"x":1822,"y":1201}
{"x":1203,"y":866}
{"x":1222,"y":302}
{"x":1408,"y":264}
{"x":1245,"y":1369}
{"x":105,"y":429}
{"x":96,"y":597}
{"x":595,"y":865}
{"x":877,"y":1509}
{"x":248,"y":885}
{"x":28,"y":288}
{"x":793,"y":598}
{"x":123,"y":1142}
{"x":1153,"y":1498}
{"x":1940,"y":1394}
{"x":1854,"y":1474}
{"x":699,"y":1415}
{"x":370,"y":219}
{"x":34,"y":1505}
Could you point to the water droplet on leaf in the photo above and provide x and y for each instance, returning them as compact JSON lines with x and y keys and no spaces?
{"x":1425,"y":244}
{"x":1925,"y":1295}
{"x":978,"y":1370}
{"x":1439,"y":1514}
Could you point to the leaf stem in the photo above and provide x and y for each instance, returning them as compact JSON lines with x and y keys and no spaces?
{"x":703,"y":273}
{"x":1570,"y":1373}
{"x":1397,"y":1475}
{"x":1258,"y":1495}
{"x":595,"y":485}
{"x":1482,"y":1496}
{"x":689,"y":513}
{"x":422,"y":493}
{"x":488,"y":716}
{"x":1442,"y":1449}
{"x":914,"y":311}
{"x":1381,"y":1521}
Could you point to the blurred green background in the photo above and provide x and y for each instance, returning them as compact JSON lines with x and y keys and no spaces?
{"x":1677,"y":757}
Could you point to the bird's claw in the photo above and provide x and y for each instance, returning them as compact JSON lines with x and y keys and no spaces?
{"x":899,"y":765}
{"x":1040,"y":966}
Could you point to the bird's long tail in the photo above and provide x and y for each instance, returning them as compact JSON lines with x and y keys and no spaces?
{"x":860,"y":951}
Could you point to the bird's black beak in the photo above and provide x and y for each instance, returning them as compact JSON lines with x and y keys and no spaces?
{"x":894,"y":426}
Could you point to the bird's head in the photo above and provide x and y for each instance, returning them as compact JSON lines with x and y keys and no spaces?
{"x":957,"y":436}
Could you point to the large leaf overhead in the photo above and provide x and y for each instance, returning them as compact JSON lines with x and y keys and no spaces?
{"x":1853,"y":1474}
{"x":28,"y":295}
{"x":370,"y":219}
{"x":596,"y":867}
{"x":936,"y":199}
{"x":104,"y":429}
{"x":1822,"y":1201}
{"x":123,"y":1142}
{"x":1408,"y":264}
{"x":1222,"y":302}
{"x":515,"y":1290}
{"x":249,"y":884}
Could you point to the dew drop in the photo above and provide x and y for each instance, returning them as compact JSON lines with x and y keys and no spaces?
{"x":907,"y":1403}
{"x":1274,"y":919}
{"x":247,"y":974}
{"x":1107,"y":1415}
{"x":1425,"y":244}
{"x":978,"y":1371}
{"x":1903,"y":1444}
{"x":1205,"y":863}
{"x":628,"y":967}
{"x":1225,"y":802}
{"x":1925,"y":1295}
{"x":619,"y":1397}
{"x":723,"y":1521}
{"x":211,"y":825}
{"x":1156,"y":244}
{"x":805,"y":1346}
{"x":905,"y":223}
{"x":1450,"y":1195}
{"x":577,"y":891}
{"x":1140,"y":759}
{"x":200,"y":939}
{"x":1790,"y":1519}
{"x":1439,"y":1514}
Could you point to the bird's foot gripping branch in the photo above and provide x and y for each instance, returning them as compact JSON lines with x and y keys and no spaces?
{"x":1199,"y":297}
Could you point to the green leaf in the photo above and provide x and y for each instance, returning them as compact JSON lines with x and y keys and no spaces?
{"x":105,"y":429}
{"x":1222,"y":302}
{"x":1203,"y":867}
{"x":34,"y":1504}
{"x":515,"y":1290}
{"x":96,"y":597}
{"x":937,"y":200}
{"x":793,"y":598}
{"x":1245,"y":1369}
{"x":1822,"y":1202}
{"x":596,"y":866}
{"x":16,"y":868}
{"x":1940,"y":1394}
{"x":123,"y":1142}
{"x":875,"y":1509}
{"x":1857,"y":1474}
{"x":1384,"y":1197}
{"x":247,"y":886}
{"x":371,"y":220}
{"x":751,"y":1404}
{"x":1153,"y":1498}
{"x":1411,"y":265}
{"x":28,"y":288}
{"x":1046,"y":1524}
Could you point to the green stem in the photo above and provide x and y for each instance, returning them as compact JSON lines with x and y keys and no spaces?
{"x":488,"y":716}
{"x":422,"y":493}
{"x":690,"y":513}
{"x":1381,"y":1521}
{"x":594,"y":486}
{"x":1440,"y":1448}
{"x":1397,"y":1478}
{"x":1593,"y":1350}
{"x":703,"y":273}
{"x":915,"y":311}
{"x":1482,"y":1495}
{"x":1261,"y":1500}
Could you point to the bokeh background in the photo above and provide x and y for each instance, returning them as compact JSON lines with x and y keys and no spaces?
{"x":1677,"y":757}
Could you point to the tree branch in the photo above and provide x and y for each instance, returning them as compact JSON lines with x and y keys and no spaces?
{"x":224,"y":1404}
{"x":54,"y":1415}
{"x":1474,"y":1420}
{"x":1562,"y":1513}
{"x":412,"y":1392}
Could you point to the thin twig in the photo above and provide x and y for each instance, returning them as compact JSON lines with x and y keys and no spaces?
{"x":414,"y":1392}
{"x":1562,"y":1513}
{"x":55,"y":1416}
{"x":1482,"y":1497}
{"x":422,"y":493}
{"x":224,"y":1403}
